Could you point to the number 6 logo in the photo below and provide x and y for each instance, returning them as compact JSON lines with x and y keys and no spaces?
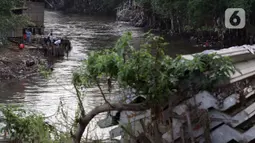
{"x":235,"y":18}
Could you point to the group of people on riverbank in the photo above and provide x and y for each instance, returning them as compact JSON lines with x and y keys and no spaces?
{"x":55,"y":46}
{"x":49,"y":40}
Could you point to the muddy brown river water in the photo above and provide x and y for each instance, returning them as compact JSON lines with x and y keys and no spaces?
{"x":86,"y":33}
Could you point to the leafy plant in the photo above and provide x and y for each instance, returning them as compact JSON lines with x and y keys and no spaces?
{"x":44,"y":70}
{"x":26,"y":126}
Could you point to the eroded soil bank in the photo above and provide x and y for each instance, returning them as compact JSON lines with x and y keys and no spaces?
{"x":18,"y":63}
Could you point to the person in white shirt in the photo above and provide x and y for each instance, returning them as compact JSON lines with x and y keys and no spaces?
{"x":57,"y":42}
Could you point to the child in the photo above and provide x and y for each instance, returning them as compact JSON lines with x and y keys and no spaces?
{"x":25,"y":37}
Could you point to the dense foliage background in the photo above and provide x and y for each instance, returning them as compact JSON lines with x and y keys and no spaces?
{"x":85,"y":6}
{"x":203,"y":19}
{"x":195,"y":13}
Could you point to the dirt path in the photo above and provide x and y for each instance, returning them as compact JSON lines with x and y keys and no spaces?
{"x":17,"y":63}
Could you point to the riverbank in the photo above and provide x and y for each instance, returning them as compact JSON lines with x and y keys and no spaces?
{"x":18,"y":63}
{"x":189,"y":19}
{"x":210,"y":36}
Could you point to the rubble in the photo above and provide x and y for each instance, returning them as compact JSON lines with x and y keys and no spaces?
{"x":17,"y":64}
{"x":223,"y":114}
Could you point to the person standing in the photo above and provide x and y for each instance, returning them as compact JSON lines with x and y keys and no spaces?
{"x":51,"y":33}
{"x":28,"y":36}
{"x":50,"y":36}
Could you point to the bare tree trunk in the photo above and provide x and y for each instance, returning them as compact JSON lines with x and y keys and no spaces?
{"x":158,"y":135}
{"x":172,"y":22}
{"x":189,"y":127}
{"x":80,"y":130}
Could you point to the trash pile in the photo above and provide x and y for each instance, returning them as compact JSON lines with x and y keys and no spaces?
{"x":17,"y":64}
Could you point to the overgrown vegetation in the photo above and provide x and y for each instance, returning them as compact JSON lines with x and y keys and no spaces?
{"x":158,"y":77}
{"x":22,"y":125}
{"x":173,"y":14}
{"x":201,"y":20}
{"x":194,"y":13}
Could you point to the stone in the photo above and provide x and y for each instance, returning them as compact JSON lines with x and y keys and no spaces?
{"x":30,"y":63}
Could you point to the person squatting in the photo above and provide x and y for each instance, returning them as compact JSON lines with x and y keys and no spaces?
{"x":50,"y":40}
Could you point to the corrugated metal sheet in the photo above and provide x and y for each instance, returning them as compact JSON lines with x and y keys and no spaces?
{"x":244,"y":59}
{"x":225,"y":133}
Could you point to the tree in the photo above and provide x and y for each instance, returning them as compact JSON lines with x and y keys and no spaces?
{"x":158,"y":77}
{"x":10,"y":21}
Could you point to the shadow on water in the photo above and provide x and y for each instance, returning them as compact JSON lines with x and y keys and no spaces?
{"x":86,"y":33}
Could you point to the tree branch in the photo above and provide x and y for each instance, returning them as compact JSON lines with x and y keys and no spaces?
{"x":80,"y":101}
{"x":106,"y":101}
{"x":84,"y":121}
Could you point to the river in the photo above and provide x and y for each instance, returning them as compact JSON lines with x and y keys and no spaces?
{"x":86,"y":33}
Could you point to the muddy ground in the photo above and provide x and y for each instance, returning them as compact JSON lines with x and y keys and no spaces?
{"x":18,"y":63}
